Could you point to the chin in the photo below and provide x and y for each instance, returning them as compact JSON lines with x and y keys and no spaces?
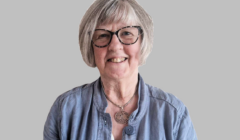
{"x":117,"y":75}
{"x":120,"y":74}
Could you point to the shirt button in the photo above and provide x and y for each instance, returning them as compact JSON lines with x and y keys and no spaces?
{"x":105,"y":121}
{"x":129,"y":130}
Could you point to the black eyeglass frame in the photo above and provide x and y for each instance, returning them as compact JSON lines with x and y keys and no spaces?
{"x":140,"y":32}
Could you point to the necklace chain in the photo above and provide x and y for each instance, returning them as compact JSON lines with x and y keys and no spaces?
{"x":117,"y":104}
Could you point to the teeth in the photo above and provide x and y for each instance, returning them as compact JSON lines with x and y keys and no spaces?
{"x":117,"y":60}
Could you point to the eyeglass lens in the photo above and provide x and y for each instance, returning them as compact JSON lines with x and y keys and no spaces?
{"x":127,"y":36}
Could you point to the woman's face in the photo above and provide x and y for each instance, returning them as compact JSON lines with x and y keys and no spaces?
{"x":117,"y":61}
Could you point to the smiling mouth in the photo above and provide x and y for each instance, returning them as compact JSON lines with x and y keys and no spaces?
{"x":117,"y":60}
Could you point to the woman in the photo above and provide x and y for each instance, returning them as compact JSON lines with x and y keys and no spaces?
{"x":116,"y":37}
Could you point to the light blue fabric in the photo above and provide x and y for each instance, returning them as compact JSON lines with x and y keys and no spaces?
{"x":79,"y":114}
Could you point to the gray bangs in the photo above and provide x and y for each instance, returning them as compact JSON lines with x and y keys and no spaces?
{"x":116,"y":12}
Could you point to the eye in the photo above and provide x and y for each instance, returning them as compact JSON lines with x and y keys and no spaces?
{"x":126,"y":33}
{"x":101,"y":36}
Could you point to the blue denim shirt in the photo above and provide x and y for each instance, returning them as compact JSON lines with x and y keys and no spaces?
{"x":80,"y":114}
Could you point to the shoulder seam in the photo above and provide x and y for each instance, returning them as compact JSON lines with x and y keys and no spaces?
{"x":164,"y":101}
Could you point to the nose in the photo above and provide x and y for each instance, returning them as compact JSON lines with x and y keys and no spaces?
{"x":115,"y":44}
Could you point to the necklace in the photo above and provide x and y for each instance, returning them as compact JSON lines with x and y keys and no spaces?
{"x":120,"y":116}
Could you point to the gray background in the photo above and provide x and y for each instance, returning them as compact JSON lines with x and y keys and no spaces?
{"x":195,"y":57}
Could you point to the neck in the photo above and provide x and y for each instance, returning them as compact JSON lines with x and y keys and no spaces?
{"x":120,"y":91}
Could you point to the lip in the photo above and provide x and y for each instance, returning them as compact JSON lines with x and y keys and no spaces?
{"x":112,"y":57}
{"x":115,"y":57}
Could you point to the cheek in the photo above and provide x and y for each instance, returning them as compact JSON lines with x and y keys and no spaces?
{"x":134,"y":56}
{"x":135,"y":52}
{"x":99,"y":56}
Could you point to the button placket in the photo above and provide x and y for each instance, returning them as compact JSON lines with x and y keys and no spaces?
{"x":130,"y":119}
{"x":105,"y":121}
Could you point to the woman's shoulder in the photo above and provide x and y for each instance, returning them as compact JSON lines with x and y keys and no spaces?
{"x":172,"y":111}
{"x":77,"y":92}
{"x":161,"y":96}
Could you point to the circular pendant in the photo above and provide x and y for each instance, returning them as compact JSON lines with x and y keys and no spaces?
{"x":121,"y":117}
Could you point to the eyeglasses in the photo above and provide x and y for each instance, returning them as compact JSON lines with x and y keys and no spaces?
{"x":127,"y":35}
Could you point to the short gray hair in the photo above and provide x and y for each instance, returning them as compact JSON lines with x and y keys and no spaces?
{"x":103,"y":12}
